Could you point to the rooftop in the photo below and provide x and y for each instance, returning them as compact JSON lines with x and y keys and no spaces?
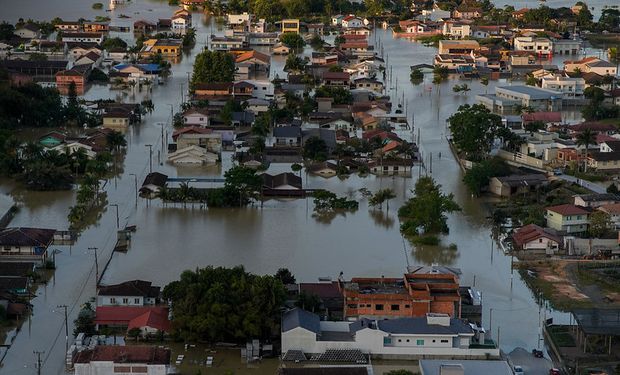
{"x":125,"y":354}
{"x":23,"y":236}
{"x":138,"y":288}
{"x":568,"y":209}
{"x":533,"y":92}
{"x":468,"y":367}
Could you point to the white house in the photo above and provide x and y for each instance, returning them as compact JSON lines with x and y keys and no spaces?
{"x":263,"y":89}
{"x":339,"y":124}
{"x":129,"y":293}
{"x":113,"y":359}
{"x":542,"y":46}
{"x":570,"y":87}
{"x":72,"y":147}
{"x":352,"y":22}
{"x":401,"y":338}
{"x":196,"y":117}
{"x":28,"y":31}
{"x":83,"y":37}
{"x":591,"y":65}
{"x":535,"y":238}
{"x":181,"y":20}
{"x":257,"y":106}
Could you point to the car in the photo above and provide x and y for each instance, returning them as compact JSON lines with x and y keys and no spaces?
{"x":518,"y":370}
{"x":537,"y":353}
{"x":558,"y":172}
{"x":554,"y":371}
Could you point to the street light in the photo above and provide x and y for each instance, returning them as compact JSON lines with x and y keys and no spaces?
{"x":117,"y":222}
{"x":150,"y":157}
{"x":491,"y":321}
{"x":135,"y":181}
{"x":66,"y":327}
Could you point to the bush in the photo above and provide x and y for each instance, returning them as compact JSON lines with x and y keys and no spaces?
{"x":97,"y":6}
{"x":429,"y":240}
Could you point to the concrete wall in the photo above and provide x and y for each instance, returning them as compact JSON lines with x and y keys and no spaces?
{"x":585,"y":246}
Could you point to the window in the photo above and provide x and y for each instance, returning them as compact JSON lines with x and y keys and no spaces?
{"x":399,"y":340}
{"x":444,"y":341}
{"x":407,"y":340}
{"x":387,"y":341}
{"x":125,"y":301}
{"x":378,"y":307}
{"x":136,"y":301}
{"x":395,"y":307}
{"x":407,"y":306}
{"x":419,"y":342}
{"x":112,"y":300}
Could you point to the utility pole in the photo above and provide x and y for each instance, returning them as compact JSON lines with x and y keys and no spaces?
{"x":116,"y":206}
{"x":150,"y":157}
{"x":39,"y":364}
{"x":94,"y":249}
{"x":66,"y":327}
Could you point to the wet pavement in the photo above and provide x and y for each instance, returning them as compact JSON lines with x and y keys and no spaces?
{"x":530,"y":364}
{"x":170,"y":239}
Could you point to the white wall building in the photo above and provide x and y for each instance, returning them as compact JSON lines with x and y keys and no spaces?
{"x":570,"y":87}
{"x":129,"y":293}
{"x":541,"y":46}
{"x":433,"y":335}
{"x":122,"y":360}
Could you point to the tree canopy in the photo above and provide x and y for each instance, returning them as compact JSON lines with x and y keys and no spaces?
{"x":213,"y":67}
{"x":474,"y":129}
{"x":225,"y":304}
{"x":426,"y":211}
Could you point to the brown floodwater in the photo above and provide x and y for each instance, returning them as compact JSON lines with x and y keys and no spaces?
{"x":170,"y":239}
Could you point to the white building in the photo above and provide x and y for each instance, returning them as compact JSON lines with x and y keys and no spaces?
{"x":433,"y":335}
{"x":568,"y":86}
{"x":129,"y":293}
{"x":456,"y":30}
{"x":468,"y":367}
{"x":352,"y":22}
{"x":541,"y":46}
{"x":591,"y":65}
{"x":196,"y":117}
{"x":435,"y":14}
{"x":119,"y":360}
{"x":83,"y":37}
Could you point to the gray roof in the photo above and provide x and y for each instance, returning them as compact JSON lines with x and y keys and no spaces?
{"x":470,"y":367}
{"x":523,"y":179}
{"x":300,"y":318}
{"x":435,"y":269}
{"x":533,"y":92}
{"x":599,"y":197}
{"x":287,"y":132}
{"x":420,"y":326}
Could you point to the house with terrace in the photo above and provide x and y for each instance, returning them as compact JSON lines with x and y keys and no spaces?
{"x":568,"y":218}
{"x":433,"y":335}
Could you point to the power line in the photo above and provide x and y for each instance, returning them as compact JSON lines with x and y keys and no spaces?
{"x":39,"y":364}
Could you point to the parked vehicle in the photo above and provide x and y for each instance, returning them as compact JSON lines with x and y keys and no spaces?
{"x":518,"y":370}
{"x":554,"y":371}
{"x":537,"y":353}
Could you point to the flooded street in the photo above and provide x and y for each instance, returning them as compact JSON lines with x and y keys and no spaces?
{"x":280,"y":234}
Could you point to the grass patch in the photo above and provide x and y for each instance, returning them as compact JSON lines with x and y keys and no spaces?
{"x":558,"y":301}
{"x":561,"y":336}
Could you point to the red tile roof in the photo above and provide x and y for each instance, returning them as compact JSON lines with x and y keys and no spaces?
{"x":125,"y":354}
{"x":542,"y":116}
{"x":343,"y":76}
{"x":253,"y":55}
{"x":533,"y":232}
{"x":124,"y":315}
{"x":151,"y":319}
{"x":568,"y":209}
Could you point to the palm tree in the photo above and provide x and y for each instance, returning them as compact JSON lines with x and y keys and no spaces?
{"x":586,"y":138}
{"x":115,"y":140}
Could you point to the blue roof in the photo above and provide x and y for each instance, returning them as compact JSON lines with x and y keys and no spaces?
{"x":420,"y":326}
{"x":301,"y":318}
{"x":148,"y":68}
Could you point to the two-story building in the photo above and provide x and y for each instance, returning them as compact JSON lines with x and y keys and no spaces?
{"x":591,"y":65}
{"x":83,"y":37}
{"x":541,"y":46}
{"x":570,"y":87}
{"x":131,"y":359}
{"x":129,"y":293}
{"x":568,"y":218}
{"x":403,"y":338}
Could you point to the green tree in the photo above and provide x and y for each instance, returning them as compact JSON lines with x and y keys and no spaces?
{"x":339,"y":94}
{"x":242,"y":183}
{"x":534,"y":126}
{"x":586,"y":138}
{"x":115,"y":141}
{"x":296,"y":8}
{"x":600,"y":223}
{"x":308,"y":301}
{"x":114,"y":43}
{"x":426,"y":211}
{"x":383,"y":195}
{"x":416,"y":77}
{"x":225,"y":304}
{"x":292,"y":40}
{"x":477,"y":178}
{"x":213,"y":67}
{"x":134,"y":333}
{"x":474,"y":129}
{"x":613,"y":189}
{"x":294,"y":63}
{"x":315,"y":149}
{"x":85,"y":321}
{"x":271,"y":10}
{"x":285,"y":276}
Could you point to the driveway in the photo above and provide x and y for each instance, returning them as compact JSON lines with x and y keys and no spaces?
{"x":531,"y":365}
{"x":586,"y":184}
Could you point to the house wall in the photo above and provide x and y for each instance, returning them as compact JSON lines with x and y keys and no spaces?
{"x":570,"y":224}
{"x":391,"y":170}
{"x":540,"y":244}
{"x":120,"y":301}
{"x":379,"y":344}
{"x":109,"y":368}
{"x":115,"y":123}
{"x":197,"y":119}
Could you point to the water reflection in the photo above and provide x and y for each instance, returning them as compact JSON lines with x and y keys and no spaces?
{"x":382,"y":218}
{"x":426,"y":254}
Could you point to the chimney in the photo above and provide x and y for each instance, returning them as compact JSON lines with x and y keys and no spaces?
{"x":438,"y":319}
{"x":451,"y":369}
